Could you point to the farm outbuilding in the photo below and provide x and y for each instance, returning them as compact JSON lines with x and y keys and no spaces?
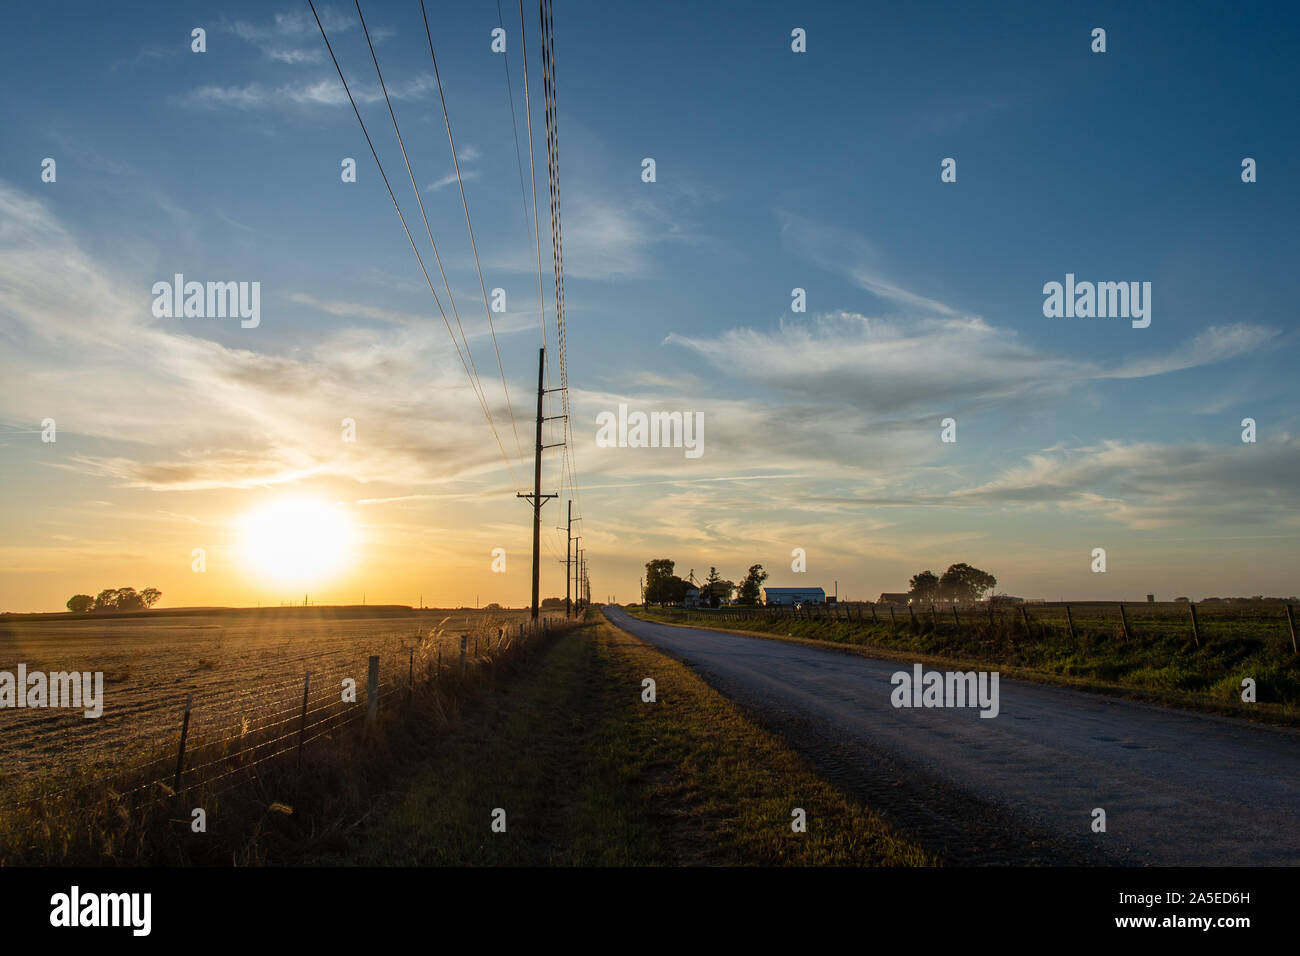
{"x":794,"y":595}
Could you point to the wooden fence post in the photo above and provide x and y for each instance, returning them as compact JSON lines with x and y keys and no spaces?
{"x":1290,"y":619}
{"x":1069,"y":620}
{"x":410,"y":674}
{"x":464,"y":645}
{"x":1124,"y":621}
{"x":911,"y":610}
{"x":180,"y":753}
{"x":1024,"y":616}
{"x":893,"y":622}
{"x":372,"y":690}
{"x":302,"y":720}
{"x":1196,"y":627}
{"x":955,"y":619}
{"x":934,"y":613}
{"x":873,"y":614}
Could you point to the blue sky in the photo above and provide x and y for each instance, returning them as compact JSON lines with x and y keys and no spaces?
{"x":775,"y":170}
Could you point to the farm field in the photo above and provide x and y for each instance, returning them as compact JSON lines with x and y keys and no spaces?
{"x":245,"y":670}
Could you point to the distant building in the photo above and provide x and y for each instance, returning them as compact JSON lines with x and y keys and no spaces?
{"x":794,"y":596}
{"x":1005,"y":599}
{"x":692,"y":598}
{"x":899,"y":597}
{"x":1151,"y":599}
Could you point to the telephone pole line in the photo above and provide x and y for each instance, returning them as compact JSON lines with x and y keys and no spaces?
{"x":537,"y":497}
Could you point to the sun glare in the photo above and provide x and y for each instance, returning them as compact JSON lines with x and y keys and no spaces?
{"x":297,"y":541}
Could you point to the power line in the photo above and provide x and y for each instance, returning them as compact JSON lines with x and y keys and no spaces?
{"x":557,"y":235}
{"x":420,"y":259}
{"x":514,"y":128}
{"x":532,"y":172}
{"x":438,"y":258}
{"x":473,"y":245}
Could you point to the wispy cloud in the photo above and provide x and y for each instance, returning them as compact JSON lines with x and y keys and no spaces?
{"x":327,"y":91}
{"x":847,"y":253}
{"x":184,"y":407}
{"x":890,"y":366}
{"x":1147,"y":485}
{"x":467,"y":175}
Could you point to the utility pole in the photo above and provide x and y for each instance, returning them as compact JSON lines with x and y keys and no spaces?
{"x":568,"y":565}
{"x":577,"y":592}
{"x":577,"y":583}
{"x":582,"y":570}
{"x":537,"y":496}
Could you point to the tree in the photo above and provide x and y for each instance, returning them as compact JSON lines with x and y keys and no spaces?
{"x":750,"y":588}
{"x":675,"y":589}
{"x":961,"y":582}
{"x":106,"y":599}
{"x":723,"y":591}
{"x":80,"y":603}
{"x":712,"y":592}
{"x":122,"y":599}
{"x":658,"y":573}
{"x":925,"y":586}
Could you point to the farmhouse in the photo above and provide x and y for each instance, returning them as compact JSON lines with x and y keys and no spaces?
{"x":794,"y":596}
{"x":895,"y":597}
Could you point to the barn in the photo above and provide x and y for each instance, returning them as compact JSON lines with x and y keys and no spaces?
{"x":794,"y":596}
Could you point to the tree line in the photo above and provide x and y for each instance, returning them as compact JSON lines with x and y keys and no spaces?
{"x":662,"y":586}
{"x":115,"y":599}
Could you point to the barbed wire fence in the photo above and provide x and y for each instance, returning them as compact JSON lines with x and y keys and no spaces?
{"x":1122,"y":620}
{"x":224,"y":741}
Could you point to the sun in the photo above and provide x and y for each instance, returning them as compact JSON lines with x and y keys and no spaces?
{"x":297,"y":541}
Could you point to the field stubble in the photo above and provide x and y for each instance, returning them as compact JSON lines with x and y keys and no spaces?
{"x":245,"y":673}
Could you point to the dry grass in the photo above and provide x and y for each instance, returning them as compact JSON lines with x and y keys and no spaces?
{"x":590,"y":775}
{"x":78,"y":790}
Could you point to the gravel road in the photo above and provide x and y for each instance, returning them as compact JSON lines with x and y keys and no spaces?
{"x":1178,"y":788}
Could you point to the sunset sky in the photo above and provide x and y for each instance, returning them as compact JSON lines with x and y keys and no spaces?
{"x":775,"y":170}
